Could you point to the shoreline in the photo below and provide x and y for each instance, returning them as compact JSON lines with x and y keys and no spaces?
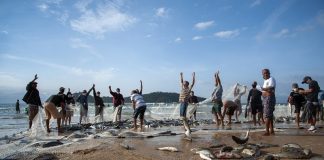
{"x":104,"y":144}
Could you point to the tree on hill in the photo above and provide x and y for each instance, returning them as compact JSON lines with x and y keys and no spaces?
{"x":154,"y":97}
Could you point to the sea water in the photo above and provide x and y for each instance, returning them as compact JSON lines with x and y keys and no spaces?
{"x":12,"y":123}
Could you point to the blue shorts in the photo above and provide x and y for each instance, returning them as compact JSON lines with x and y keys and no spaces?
{"x":139,"y":111}
{"x":183,"y":109}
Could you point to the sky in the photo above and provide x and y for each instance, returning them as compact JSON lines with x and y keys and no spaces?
{"x":75,"y":44}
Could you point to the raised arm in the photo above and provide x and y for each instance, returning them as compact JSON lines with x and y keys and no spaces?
{"x":218,"y":81}
{"x":193,"y":80}
{"x":181,"y":79}
{"x":35,"y":78}
{"x":90,"y":89}
{"x":94,"y":91}
{"x":244,"y":90}
{"x":140,"y":92}
{"x":29,"y":85}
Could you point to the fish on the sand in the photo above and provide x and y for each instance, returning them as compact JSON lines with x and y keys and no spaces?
{"x":171,"y":149}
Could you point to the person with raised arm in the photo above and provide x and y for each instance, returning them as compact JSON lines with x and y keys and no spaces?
{"x":118,"y":102}
{"x":217,"y":100}
{"x":33,"y":100}
{"x":99,"y":104}
{"x":184,"y":100}
{"x":83,"y":100}
{"x":139,"y":106}
{"x":237,"y":99}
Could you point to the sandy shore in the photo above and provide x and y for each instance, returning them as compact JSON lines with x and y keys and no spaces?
{"x":97,"y":147}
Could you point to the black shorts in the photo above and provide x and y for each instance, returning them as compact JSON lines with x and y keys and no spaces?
{"x":256,"y":108}
{"x":139,"y":111}
{"x":297,"y":108}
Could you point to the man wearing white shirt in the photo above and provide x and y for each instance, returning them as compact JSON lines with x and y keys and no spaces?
{"x":139,"y":106}
{"x":269,"y":100}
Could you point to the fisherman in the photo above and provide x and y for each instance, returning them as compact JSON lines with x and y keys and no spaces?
{"x":118,"y":102}
{"x":255,"y":102}
{"x":51,"y":110}
{"x":269,"y":100}
{"x":237,"y":99}
{"x":184,"y":100}
{"x":32,"y":99}
{"x":193,"y":100}
{"x":312,"y":104}
{"x":99,"y":104}
{"x":83,"y":100}
{"x":17,"y":107}
{"x":139,"y":106}
{"x":70,"y":103}
{"x":296,"y":99}
{"x":217,"y":100}
{"x":229,"y":108}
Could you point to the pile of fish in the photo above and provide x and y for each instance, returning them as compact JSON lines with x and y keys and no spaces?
{"x":127,"y":124}
{"x":293,"y":151}
{"x":252,"y":151}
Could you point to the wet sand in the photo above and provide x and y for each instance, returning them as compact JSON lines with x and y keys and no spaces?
{"x":204,"y":136}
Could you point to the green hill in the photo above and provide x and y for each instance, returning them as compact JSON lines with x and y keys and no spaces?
{"x":154,"y":97}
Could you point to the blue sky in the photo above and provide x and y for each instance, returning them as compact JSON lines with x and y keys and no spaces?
{"x":77,"y":43}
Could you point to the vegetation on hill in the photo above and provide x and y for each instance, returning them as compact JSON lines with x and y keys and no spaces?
{"x":154,"y":97}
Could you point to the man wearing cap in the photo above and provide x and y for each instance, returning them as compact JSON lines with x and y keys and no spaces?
{"x":99,"y":104}
{"x":32,"y":99}
{"x":118,"y":101}
{"x":269,"y":100}
{"x":296,"y":99}
{"x":312,"y":103}
{"x":83,"y":100}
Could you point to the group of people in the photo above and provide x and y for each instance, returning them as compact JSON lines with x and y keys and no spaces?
{"x":66,"y":102}
{"x":261,"y":101}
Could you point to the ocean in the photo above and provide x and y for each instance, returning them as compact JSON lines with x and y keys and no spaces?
{"x":12,"y":123}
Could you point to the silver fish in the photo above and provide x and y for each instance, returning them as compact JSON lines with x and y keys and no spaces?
{"x":171,"y":149}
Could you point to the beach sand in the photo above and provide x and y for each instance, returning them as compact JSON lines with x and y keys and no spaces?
{"x":95,"y":147}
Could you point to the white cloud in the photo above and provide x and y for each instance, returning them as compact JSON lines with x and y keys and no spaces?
{"x":227,"y":34}
{"x":197,"y":38}
{"x":63,"y":17}
{"x":82,"y":5}
{"x":43,"y":7}
{"x":148,"y":36}
{"x":204,"y":25}
{"x":10,"y":80}
{"x":104,"y":18}
{"x":320,"y":18}
{"x":161,"y":12}
{"x":80,"y":44}
{"x":98,"y":75}
{"x":4,"y":32}
{"x":178,"y":39}
{"x":255,"y":3}
{"x":272,"y":19}
{"x":282,"y":33}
